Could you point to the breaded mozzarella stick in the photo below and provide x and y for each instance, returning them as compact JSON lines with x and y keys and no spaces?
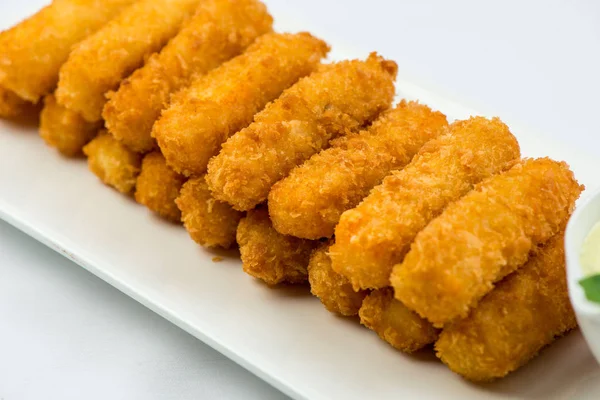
{"x":269,"y":255}
{"x":158,"y":186}
{"x":34,"y":50}
{"x":99,"y":63}
{"x":337,"y":99}
{"x":11,"y":105}
{"x":113,"y":163}
{"x":64,"y":129}
{"x":484,"y":236}
{"x":309,"y":202}
{"x":395,"y":323}
{"x":333,"y":289}
{"x":375,"y":235}
{"x":209,"y":222}
{"x":526,"y":311}
{"x":219,"y":30}
{"x":218,"y":104}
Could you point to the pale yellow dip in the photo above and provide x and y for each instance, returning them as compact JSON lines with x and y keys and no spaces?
{"x":590,"y":253}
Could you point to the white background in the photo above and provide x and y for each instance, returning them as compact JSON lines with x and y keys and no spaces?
{"x":65,"y":334}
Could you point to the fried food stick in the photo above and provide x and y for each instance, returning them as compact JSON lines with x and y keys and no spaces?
{"x":209,"y":222}
{"x":219,"y":30}
{"x":333,"y":289}
{"x":269,"y":255}
{"x":99,"y":63}
{"x":225,"y":100}
{"x":113,"y":163}
{"x":309,"y":202}
{"x":375,"y":235}
{"x":525,"y":312}
{"x":64,"y":129}
{"x":395,"y":323}
{"x":158,"y":186}
{"x":335,"y":100}
{"x":483,"y":237}
{"x":11,"y":105}
{"x":33,"y":50}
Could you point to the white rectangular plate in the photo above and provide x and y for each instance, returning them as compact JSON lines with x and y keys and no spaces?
{"x":282,"y":335}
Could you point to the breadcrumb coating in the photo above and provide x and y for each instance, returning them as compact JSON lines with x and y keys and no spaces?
{"x":34,"y":50}
{"x":395,"y":323}
{"x":99,"y":63}
{"x":64,"y":129}
{"x":526,"y":311}
{"x":220,"y":103}
{"x":113,"y":163}
{"x":11,"y":105}
{"x":158,"y":186}
{"x":220,"y":30}
{"x":209,"y":222}
{"x":483,"y":237}
{"x":375,"y":235}
{"x":337,"y":99}
{"x":333,"y":289}
{"x":309,"y":202}
{"x":269,"y":255}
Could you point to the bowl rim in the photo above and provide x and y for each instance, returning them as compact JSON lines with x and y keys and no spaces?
{"x":572,"y":254}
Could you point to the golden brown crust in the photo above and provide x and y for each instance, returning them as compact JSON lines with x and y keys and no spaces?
{"x":333,"y":289}
{"x":308,"y":203}
{"x":99,"y":63}
{"x":219,"y":30}
{"x":64,"y":129}
{"x":376,"y":234}
{"x":33,"y":50}
{"x":395,"y":323}
{"x":218,"y":104}
{"x":11,"y":105}
{"x":337,"y":99}
{"x":271,"y":256}
{"x":113,"y":163}
{"x":483,"y":237}
{"x":209,"y":222}
{"x":525,"y":312}
{"x":158,"y":186}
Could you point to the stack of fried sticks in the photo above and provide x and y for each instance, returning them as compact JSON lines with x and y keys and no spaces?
{"x":430,"y":232}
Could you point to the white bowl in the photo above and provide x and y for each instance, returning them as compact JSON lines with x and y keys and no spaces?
{"x":583,"y":220}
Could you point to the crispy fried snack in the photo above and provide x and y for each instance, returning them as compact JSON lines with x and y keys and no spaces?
{"x":33,"y":51}
{"x":99,"y":63}
{"x":269,"y":255}
{"x":374,"y":236}
{"x":112,"y":162}
{"x":209,"y":222}
{"x":221,"y":29}
{"x":337,"y":99}
{"x":525,"y":312}
{"x":395,"y":323}
{"x":333,"y":289}
{"x":11,"y":105}
{"x":158,"y":186}
{"x":483,"y":237}
{"x":223,"y":101}
{"x":64,"y":129}
{"x":309,"y":202}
